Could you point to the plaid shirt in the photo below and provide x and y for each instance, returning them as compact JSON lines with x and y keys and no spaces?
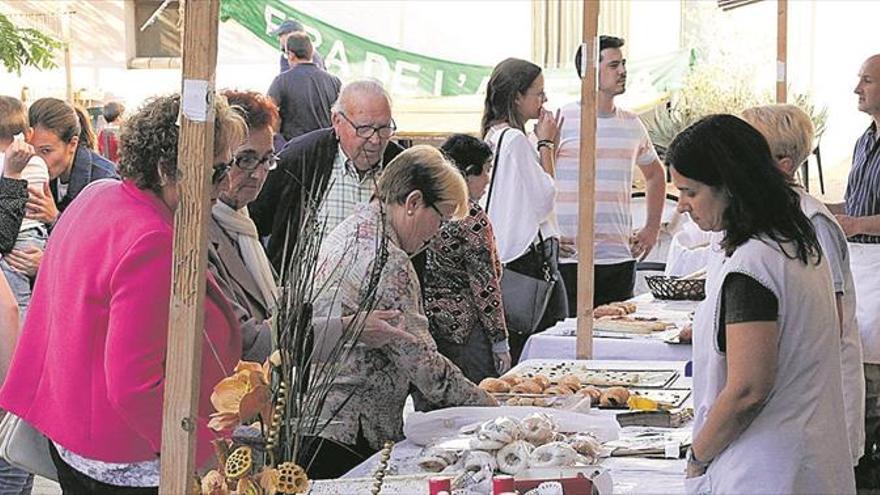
{"x":346,"y":190}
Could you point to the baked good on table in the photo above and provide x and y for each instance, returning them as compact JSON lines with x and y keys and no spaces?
{"x":542,"y":380}
{"x":614,"y":309}
{"x":436,"y":460}
{"x":592,"y":392}
{"x":630,"y":324}
{"x":502,"y":429}
{"x":514,"y":457}
{"x":538,"y":429}
{"x":586,"y":445}
{"x":494,"y":385}
{"x":557,"y":390}
{"x":527,"y":386}
{"x":571,"y":381}
{"x":553,"y":454}
{"x":511,"y":379}
{"x":614,"y":397}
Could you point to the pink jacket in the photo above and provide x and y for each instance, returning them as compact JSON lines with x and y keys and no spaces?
{"x":89,"y":367}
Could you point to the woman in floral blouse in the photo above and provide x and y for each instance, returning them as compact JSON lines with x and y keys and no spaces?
{"x":463,"y":275}
{"x":370,"y":253}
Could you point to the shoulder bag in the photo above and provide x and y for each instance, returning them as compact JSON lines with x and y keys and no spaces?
{"x":524,"y":296}
{"x":26,"y":448}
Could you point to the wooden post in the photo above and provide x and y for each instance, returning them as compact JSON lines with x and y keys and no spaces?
{"x":68,"y":62}
{"x":781,"y":51}
{"x":186,"y":322}
{"x":586,"y":182}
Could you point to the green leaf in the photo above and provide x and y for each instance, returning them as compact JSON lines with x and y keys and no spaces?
{"x":25,"y":47}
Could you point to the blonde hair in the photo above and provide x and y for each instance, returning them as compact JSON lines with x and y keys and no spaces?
{"x":787,"y":129}
{"x":423,"y":168}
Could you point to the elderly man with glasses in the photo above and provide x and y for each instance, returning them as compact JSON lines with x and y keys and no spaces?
{"x":339,"y":164}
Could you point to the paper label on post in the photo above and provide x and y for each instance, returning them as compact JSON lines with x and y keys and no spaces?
{"x":195,"y":100}
{"x":671,"y":448}
{"x":780,"y":71}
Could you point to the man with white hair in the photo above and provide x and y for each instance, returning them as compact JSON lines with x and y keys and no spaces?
{"x":344,"y":161}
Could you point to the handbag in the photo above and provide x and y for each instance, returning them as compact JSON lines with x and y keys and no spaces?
{"x":524,"y":296}
{"x":26,"y":448}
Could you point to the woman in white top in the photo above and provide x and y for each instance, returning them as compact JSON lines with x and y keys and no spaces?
{"x":522,"y":194}
{"x":768,"y":402}
{"x":789,"y":132}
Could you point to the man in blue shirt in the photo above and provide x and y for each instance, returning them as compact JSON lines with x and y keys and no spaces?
{"x":283,"y":31}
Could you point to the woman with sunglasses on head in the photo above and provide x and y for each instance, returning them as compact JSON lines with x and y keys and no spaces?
{"x":235,"y":255}
{"x":462,"y":280}
{"x":521,"y":198}
{"x":89,"y":369}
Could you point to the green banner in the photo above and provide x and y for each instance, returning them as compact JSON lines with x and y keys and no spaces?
{"x":350,"y":56}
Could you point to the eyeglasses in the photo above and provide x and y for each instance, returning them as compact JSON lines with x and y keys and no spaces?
{"x":443,"y":219}
{"x":250,"y":161}
{"x":367,"y":131}
{"x":220,"y":171}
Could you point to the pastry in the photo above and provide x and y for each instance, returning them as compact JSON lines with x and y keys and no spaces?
{"x":541,"y":380}
{"x":592,"y":392}
{"x":627,"y":307}
{"x":527,"y":387}
{"x":553,"y":454}
{"x":485,"y":444}
{"x":514,"y":457}
{"x":586,"y":445}
{"x":476,"y":460}
{"x":614,"y":397}
{"x":511,"y":379}
{"x":558,"y":390}
{"x":608,"y":310}
{"x":571,"y":381}
{"x":436,"y":460}
{"x":503,"y":429}
{"x":494,"y":385}
{"x":538,"y":429}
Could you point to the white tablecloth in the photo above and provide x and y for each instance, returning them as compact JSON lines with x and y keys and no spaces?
{"x":630,"y":475}
{"x":559,"y":342}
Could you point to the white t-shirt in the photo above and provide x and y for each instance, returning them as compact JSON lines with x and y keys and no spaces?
{"x":523,"y":194}
{"x":36,"y":173}
{"x":622,"y":142}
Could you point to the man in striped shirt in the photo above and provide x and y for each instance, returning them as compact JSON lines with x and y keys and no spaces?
{"x":859,"y":215}
{"x":622,"y":143}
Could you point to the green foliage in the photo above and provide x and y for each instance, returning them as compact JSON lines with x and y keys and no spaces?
{"x":21,"y":47}
{"x":711,"y":89}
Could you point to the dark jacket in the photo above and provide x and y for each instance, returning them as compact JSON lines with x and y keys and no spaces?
{"x":88,"y":166}
{"x":13,"y":197}
{"x":304,"y":167}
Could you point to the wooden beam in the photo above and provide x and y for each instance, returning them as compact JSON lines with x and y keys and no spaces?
{"x":186,"y":322}
{"x":586,"y":181}
{"x":781,"y":51}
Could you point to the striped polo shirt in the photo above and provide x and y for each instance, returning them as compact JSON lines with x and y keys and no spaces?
{"x":622,"y":142}
{"x":863,"y":186}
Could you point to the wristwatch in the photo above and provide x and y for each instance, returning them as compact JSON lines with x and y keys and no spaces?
{"x":693,"y":461}
{"x":546,"y":142}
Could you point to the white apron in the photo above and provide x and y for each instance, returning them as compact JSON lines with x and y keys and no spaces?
{"x":865,"y":264}
{"x":851,"y":366}
{"x":797,"y":443}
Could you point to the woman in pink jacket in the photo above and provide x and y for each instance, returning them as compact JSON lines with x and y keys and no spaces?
{"x":90,"y":365}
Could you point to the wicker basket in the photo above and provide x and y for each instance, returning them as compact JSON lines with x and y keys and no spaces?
{"x":676,"y":289}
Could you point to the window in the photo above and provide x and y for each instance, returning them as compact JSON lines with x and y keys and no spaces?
{"x":159,"y":44}
{"x":558,"y":24}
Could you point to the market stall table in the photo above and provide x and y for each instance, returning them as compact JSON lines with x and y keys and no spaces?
{"x":559,"y":342}
{"x":629,"y":474}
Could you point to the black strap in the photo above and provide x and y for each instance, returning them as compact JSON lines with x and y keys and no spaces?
{"x":540,"y":247}
{"x":495,"y":168}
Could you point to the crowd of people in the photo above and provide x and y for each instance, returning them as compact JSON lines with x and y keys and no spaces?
{"x":786,"y":366}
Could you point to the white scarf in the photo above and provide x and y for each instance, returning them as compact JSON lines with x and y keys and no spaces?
{"x":239,"y":223}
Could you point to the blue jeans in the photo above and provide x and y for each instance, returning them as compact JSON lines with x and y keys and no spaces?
{"x":19,"y":282}
{"x":14,"y":481}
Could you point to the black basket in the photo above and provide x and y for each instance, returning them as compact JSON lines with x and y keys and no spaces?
{"x":676,"y":289}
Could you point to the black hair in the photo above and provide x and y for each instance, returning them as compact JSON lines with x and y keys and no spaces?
{"x":605,"y":41}
{"x":467,"y":153}
{"x":510,"y":78}
{"x":725,"y":152}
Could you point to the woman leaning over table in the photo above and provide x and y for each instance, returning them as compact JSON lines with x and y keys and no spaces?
{"x":522,"y":197}
{"x":89,"y":370}
{"x":417,"y":192}
{"x":767,"y":382}
{"x":463,"y":276}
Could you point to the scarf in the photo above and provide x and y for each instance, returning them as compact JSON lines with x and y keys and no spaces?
{"x":239,"y":224}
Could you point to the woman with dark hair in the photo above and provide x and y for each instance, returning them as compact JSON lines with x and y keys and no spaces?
{"x":463,"y":276}
{"x":768,"y":400}
{"x":89,"y":370}
{"x":521,"y":198}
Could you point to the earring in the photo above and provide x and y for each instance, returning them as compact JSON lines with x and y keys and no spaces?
{"x":409,"y":212}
